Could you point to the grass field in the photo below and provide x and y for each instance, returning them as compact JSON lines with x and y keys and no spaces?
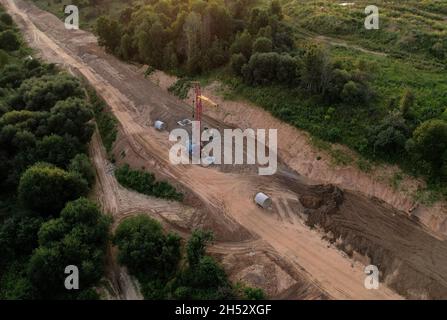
{"x":409,"y":29}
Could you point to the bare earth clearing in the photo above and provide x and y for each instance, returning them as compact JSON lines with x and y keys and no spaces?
{"x":275,"y":249}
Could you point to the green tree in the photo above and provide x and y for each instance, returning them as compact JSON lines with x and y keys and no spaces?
{"x":338,"y":80}
{"x":276,"y":9}
{"x":258,"y":19}
{"x":407,"y":103}
{"x":109,"y":33}
{"x":316,"y":72}
{"x":352,"y":93}
{"x":158,"y":39}
{"x":22,"y":119}
{"x":57,"y":150}
{"x":237,"y":62}
{"x":207,"y":274}
{"x":221,"y":26}
{"x":43,"y":268}
{"x":218,"y":54}
{"x":145,"y":249}
{"x":40,"y":94}
{"x":243,"y":44}
{"x":6,"y":19}
{"x":262,"y":68}
{"x":198,"y":6}
{"x":18,"y":237}
{"x":11,"y":76}
{"x":429,"y":142}
{"x":72,"y":117}
{"x":239,"y":9}
{"x":78,"y":237}
{"x":193,"y":30}
{"x":253,"y":294}
{"x":45,"y":188}
{"x":81,"y":165}
{"x":4,"y":58}
{"x":287,"y":70}
{"x":9,"y":41}
{"x":438,"y":50}
{"x":203,"y":279}
{"x":126,"y":16}
{"x":197,"y":243}
{"x":14,"y":283}
{"x":389,"y":137}
{"x":262,"y":44}
{"x":171,"y":60}
{"x":127,"y":50}
{"x":154,"y":289}
{"x":24,"y":141}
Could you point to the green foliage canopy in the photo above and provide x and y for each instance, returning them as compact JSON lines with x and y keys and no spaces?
{"x":46,"y":188}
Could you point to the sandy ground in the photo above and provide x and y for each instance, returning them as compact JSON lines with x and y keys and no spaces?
{"x":250,"y":262}
{"x":222,"y":198}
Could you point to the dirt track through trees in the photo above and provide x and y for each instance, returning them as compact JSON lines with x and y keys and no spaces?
{"x":225,"y":197}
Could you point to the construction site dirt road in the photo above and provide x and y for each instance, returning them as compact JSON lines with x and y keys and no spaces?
{"x":412,"y":261}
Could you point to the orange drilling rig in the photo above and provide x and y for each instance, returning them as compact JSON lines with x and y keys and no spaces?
{"x":199,"y":99}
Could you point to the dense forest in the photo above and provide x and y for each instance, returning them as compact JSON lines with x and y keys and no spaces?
{"x":387,"y":107}
{"x":46,"y":223}
{"x":197,"y":36}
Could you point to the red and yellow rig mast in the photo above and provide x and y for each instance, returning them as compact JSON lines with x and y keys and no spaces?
{"x":199,"y":105}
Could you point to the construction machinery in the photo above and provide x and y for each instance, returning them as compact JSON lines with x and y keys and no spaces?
{"x":199,"y":99}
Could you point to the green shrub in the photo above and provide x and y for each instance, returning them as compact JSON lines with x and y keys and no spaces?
{"x":254,"y":294}
{"x":181,"y":88}
{"x":144,"y":182}
{"x":197,"y":243}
